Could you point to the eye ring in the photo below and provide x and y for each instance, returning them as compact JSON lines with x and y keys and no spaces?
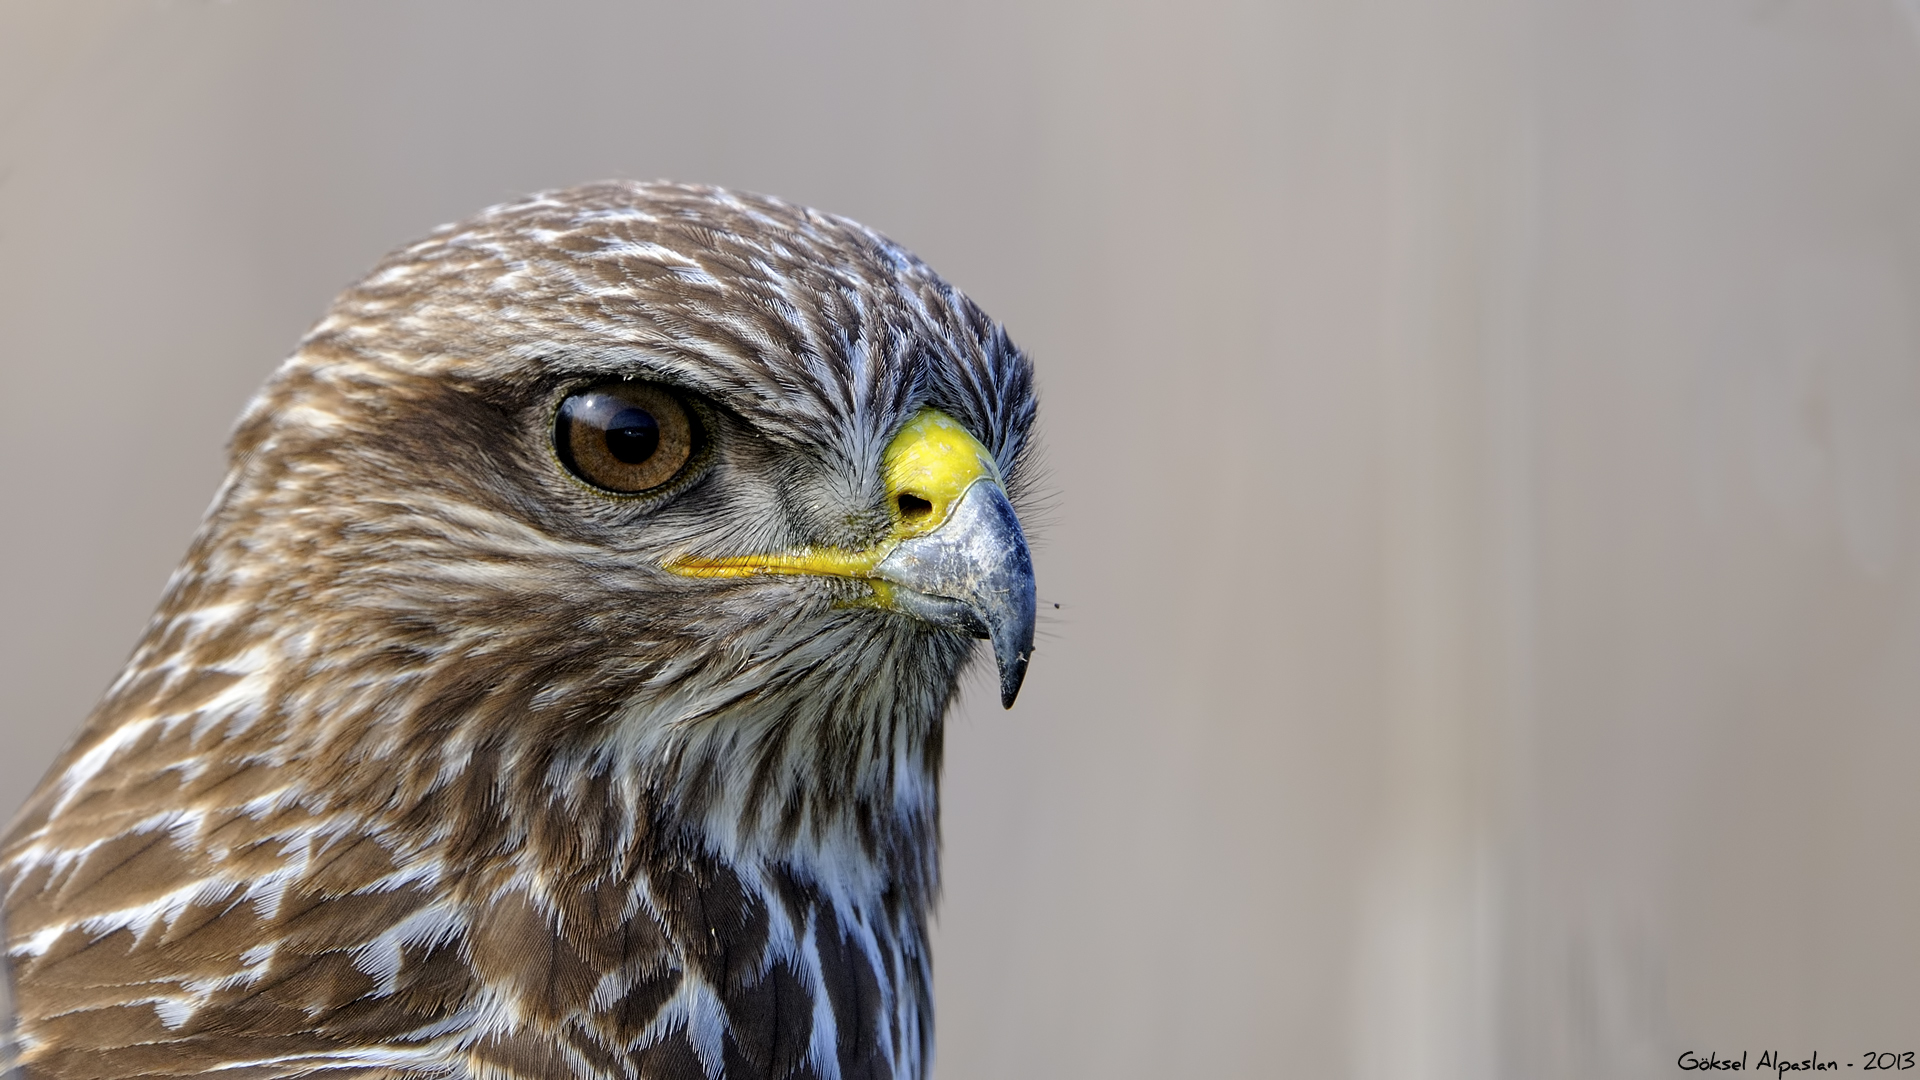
{"x":626,"y":438}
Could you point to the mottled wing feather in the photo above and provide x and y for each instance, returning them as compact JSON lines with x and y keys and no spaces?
{"x":145,"y":942}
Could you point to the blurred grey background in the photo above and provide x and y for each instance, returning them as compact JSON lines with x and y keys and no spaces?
{"x":1486,"y":438}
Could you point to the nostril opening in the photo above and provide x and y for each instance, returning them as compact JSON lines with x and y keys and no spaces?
{"x":913,"y":507}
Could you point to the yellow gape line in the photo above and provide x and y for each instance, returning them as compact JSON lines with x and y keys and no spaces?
{"x":927,"y":468}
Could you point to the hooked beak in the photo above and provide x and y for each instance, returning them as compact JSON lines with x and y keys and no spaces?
{"x":956,"y":557}
{"x":972,"y":574}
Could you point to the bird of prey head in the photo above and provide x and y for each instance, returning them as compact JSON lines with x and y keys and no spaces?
{"x":555,"y":688}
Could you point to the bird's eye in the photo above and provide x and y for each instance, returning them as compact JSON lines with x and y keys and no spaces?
{"x":623,"y":437}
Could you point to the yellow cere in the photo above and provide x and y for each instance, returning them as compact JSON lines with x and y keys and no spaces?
{"x":928,"y":466}
{"x":935,"y":460}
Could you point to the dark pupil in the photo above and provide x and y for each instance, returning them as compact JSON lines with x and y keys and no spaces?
{"x":632,"y":436}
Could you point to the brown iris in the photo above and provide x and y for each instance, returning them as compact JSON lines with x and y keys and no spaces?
{"x":624,"y":437}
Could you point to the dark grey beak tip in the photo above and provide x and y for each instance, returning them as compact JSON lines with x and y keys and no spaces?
{"x":1012,"y":623}
{"x":1013,"y":672}
{"x":1010,"y":606}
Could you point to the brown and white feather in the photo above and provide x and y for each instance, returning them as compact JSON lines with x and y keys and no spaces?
{"x":424,"y":767}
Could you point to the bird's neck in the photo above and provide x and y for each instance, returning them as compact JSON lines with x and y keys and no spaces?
{"x":800,"y":881}
{"x":847,"y":801}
